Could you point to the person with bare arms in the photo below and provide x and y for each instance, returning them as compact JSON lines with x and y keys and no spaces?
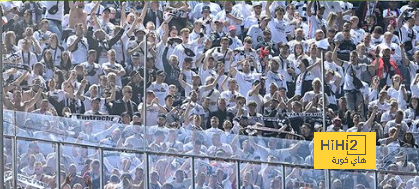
{"x":17,"y":104}
{"x":77,"y":14}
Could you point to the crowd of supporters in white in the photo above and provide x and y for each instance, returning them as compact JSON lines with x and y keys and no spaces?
{"x":210,"y":69}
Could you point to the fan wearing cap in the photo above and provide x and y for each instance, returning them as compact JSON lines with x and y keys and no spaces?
{"x":407,"y":33}
{"x":254,"y":113}
{"x":256,"y":31}
{"x":136,"y":63}
{"x":218,"y":33}
{"x":136,"y":83}
{"x":315,"y":20}
{"x":232,"y":34}
{"x":206,"y":20}
{"x":104,"y":21}
{"x":254,"y":18}
{"x":205,"y":5}
{"x":159,"y":87}
{"x":267,"y":42}
{"x":135,"y":46}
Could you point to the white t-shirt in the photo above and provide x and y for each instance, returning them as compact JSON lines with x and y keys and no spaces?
{"x":245,"y":81}
{"x":114,"y":66}
{"x":56,"y":56}
{"x":276,"y":78}
{"x":60,"y":13}
{"x":228,"y":95}
{"x":257,"y":35}
{"x":80,"y":55}
{"x":152,"y":114}
{"x":279,"y":29}
{"x":348,"y":79}
{"x":315,"y":23}
{"x":28,"y":59}
{"x":160,"y":90}
{"x":91,"y":68}
{"x":120,"y":48}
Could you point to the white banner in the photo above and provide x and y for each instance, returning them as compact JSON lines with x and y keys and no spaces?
{"x":25,"y":180}
{"x":113,"y":118}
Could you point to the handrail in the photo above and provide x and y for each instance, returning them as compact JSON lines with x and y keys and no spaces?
{"x":226,"y":159}
{"x":148,"y":152}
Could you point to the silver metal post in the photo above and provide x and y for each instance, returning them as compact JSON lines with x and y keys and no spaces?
{"x":15,"y":154}
{"x":58,"y":156}
{"x":376,"y":182}
{"x":14,"y":161}
{"x":102,"y":169}
{"x":193,"y":172}
{"x":327,"y":171}
{"x":147,"y":174}
{"x":283,"y":176}
{"x":146,"y":168}
{"x":238,"y":174}
{"x":1,"y":109}
{"x":323,"y":91}
{"x":144,"y":96}
{"x":327,"y":177}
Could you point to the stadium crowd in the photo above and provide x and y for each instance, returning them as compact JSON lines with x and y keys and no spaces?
{"x":211,"y":69}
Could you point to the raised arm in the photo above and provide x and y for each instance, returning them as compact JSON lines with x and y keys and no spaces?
{"x":400,"y":19}
{"x":81,"y":90}
{"x":113,"y":93}
{"x":144,"y":11}
{"x":7,"y":102}
{"x":395,"y":136}
{"x":267,"y":10}
{"x":310,"y":4}
{"x":183,"y":84}
{"x":405,"y":60}
{"x":123,"y":14}
{"x":186,"y":113}
{"x":98,"y":25}
{"x":371,"y":119}
{"x":32,"y":101}
{"x":213,"y":84}
{"x":17,"y":82}
{"x":94,"y":9}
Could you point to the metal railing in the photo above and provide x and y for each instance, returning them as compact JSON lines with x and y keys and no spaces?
{"x":14,"y":133}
